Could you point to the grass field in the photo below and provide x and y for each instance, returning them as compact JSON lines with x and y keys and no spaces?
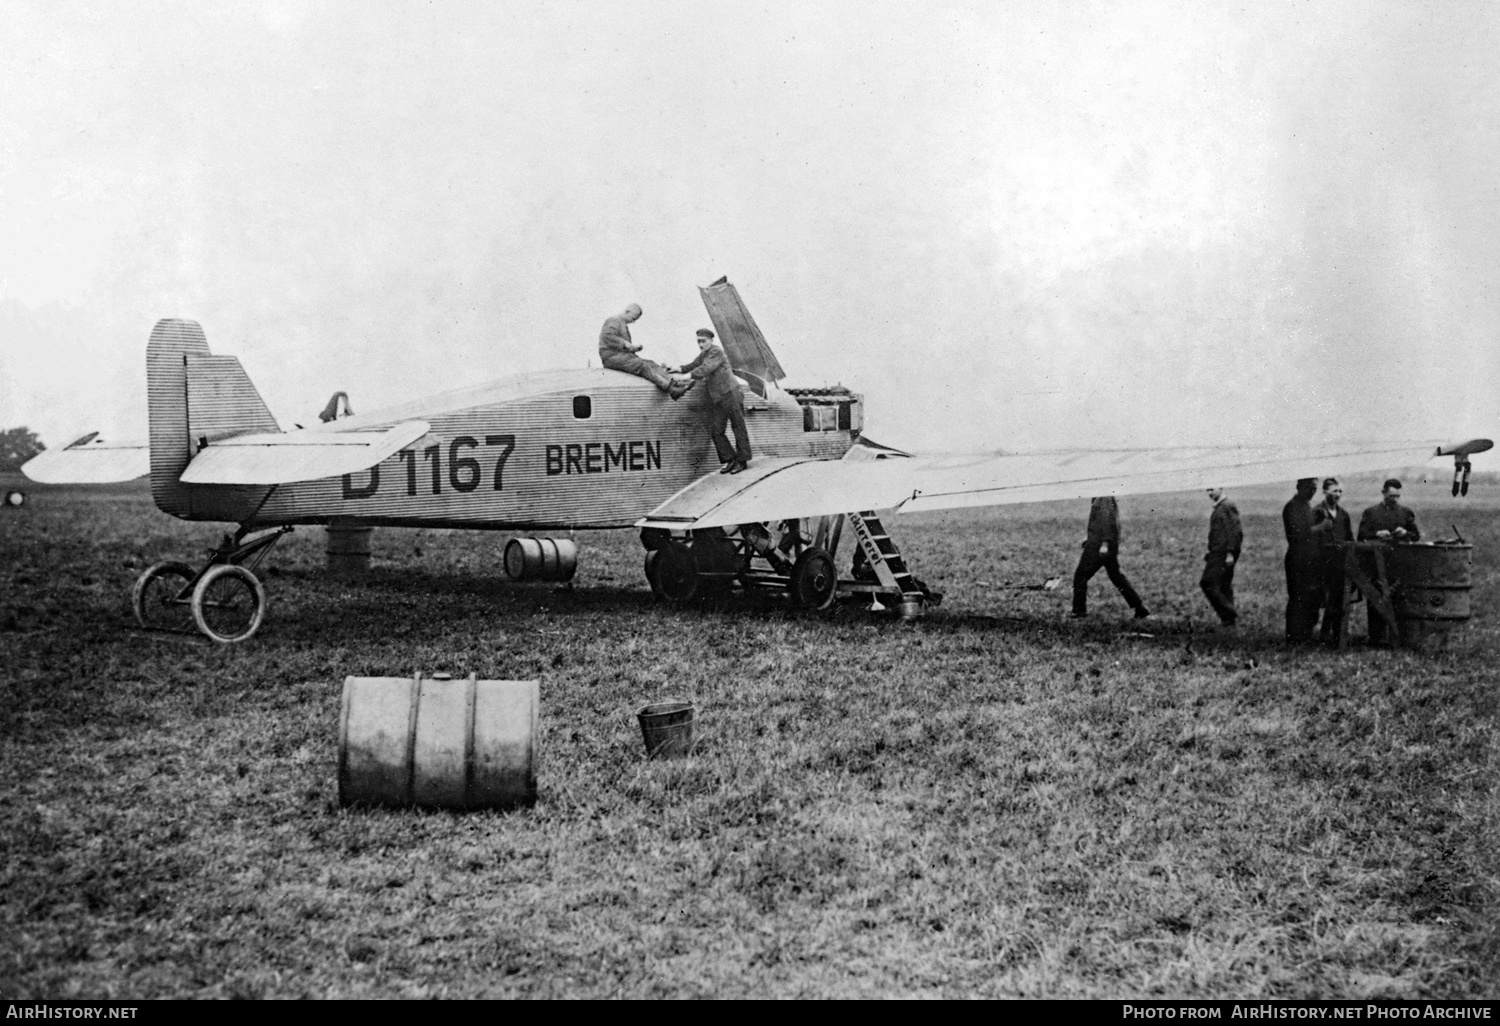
{"x":996,"y":802}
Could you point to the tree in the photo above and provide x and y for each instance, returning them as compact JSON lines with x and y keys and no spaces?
{"x":17,"y":445}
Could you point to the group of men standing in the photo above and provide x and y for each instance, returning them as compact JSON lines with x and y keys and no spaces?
{"x":1315,"y":563}
{"x":1315,"y":580}
{"x":726,"y":403}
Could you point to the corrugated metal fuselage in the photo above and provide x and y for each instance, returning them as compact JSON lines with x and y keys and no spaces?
{"x":561,"y":450}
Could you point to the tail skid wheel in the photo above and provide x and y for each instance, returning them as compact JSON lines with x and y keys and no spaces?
{"x":229,"y":604}
{"x":158,"y":598}
{"x":676,"y":573}
{"x":814,"y":580}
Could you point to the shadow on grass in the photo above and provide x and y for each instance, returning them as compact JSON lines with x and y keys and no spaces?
{"x":384,"y":599}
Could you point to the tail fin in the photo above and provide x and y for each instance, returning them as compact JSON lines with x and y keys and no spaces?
{"x":195,"y":398}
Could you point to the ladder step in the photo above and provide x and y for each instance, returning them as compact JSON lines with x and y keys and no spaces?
{"x":885,"y":558}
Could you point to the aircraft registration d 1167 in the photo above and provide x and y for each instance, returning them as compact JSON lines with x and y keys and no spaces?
{"x":587,"y":449}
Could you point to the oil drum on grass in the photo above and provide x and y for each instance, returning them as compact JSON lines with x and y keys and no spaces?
{"x":1432,"y":585}
{"x":438,"y":743}
{"x":541,"y":559}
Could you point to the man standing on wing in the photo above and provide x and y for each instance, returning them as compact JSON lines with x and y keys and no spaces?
{"x":618,"y":352}
{"x":1387,"y":520}
{"x":1101,"y":549}
{"x":1224,"y":540}
{"x":1331,"y":526}
{"x":1304,"y":580}
{"x":726,"y":403}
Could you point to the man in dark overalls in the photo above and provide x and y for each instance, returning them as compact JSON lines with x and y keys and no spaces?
{"x":726,"y":403}
{"x":1102,"y":549}
{"x":1304,"y":580}
{"x":1224,"y":540}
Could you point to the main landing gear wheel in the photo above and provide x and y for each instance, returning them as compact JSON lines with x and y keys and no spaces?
{"x":229,"y":603}
{"x":676,"y":573}
{"x":814,"y":580}
{"x":651,"y":576}
{"x":157,"y":598}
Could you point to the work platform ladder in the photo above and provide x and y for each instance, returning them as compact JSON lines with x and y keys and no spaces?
{"x":890,"y":569}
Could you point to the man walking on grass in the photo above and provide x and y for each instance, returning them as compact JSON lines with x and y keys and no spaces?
{"x":1224,"y":540}
{"x":1102,"y":549}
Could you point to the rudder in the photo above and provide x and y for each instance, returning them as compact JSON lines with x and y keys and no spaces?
{"x":194,"y":398}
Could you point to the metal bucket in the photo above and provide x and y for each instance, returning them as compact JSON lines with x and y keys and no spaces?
{"x":1432,"y":585}
{"x":438,"y":743}
{"x":348,"y":549}
{"x":667,"y":728}
{"x":541,"y":559}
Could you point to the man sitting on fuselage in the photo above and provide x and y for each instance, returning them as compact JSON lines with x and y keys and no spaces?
{"x":618,"y":352}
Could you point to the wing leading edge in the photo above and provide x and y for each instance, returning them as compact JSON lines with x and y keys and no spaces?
{"x":924,"y":483}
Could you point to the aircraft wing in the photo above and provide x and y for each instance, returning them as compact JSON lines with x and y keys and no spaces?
{"x":90,"y":460}
{"x":285,"y":457}
{"x":785,"y":489}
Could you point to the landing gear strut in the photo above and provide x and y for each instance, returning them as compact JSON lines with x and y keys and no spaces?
{"x":225,"y":601}
{"x":685,"y":565}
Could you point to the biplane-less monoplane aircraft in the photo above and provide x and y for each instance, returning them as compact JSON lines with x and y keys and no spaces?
{"x":575,"y":449}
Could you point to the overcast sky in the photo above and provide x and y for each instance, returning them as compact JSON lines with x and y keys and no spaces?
{"x":1008,"y":225}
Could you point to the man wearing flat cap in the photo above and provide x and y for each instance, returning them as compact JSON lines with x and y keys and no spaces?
{"x":618,"y":352}
{"x":726,"y":403}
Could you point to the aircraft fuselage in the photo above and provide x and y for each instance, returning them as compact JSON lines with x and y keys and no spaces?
{"x":556,"y":450}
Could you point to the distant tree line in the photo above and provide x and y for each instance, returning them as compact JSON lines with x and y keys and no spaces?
{"x":17,"y":445}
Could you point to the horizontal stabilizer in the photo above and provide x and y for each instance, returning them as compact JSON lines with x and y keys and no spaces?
{"x":284,"y":458}
{"x":90,"y":460}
